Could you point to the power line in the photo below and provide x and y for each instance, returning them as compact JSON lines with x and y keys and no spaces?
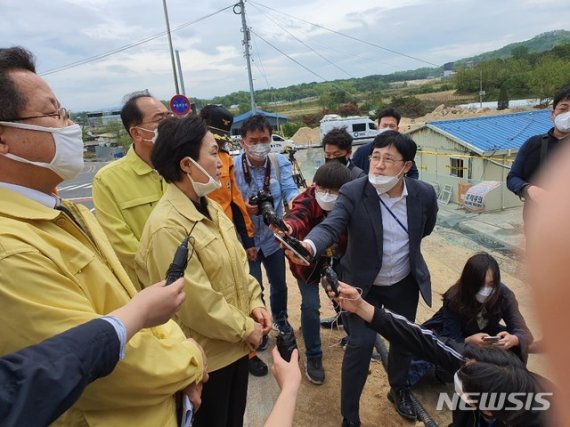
{"x":289,"y":57}
{"x":349,"y":36}
{"x":306,"y":45}
{"x":128,"y":46}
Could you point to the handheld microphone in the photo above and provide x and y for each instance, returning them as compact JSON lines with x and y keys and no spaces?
{"x":179,"y":263}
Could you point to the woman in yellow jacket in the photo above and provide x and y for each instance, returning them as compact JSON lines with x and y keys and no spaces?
{"x":223,"y":310}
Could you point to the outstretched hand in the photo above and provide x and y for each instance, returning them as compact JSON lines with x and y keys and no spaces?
{"x":350,"y":300}
{"x":152,"y":306}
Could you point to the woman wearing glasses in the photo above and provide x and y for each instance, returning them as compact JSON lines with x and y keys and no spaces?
{"x":223,"y":310}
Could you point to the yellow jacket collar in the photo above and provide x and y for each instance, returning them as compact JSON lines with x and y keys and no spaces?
{"x":16,"y":205}
{"x":136,"y":163}
{"x":183,"y":204}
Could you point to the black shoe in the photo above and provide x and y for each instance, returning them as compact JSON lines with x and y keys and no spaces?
{"x":314,"y":370}
{"x":333,"y":322}
{"x":257,"y":367}
{"x":343,"y":342}
{"x":403,"y":402}
{"x":282,"y":326}
{"x":346,"y":423}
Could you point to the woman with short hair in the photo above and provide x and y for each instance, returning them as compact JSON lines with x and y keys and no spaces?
{"x":223,"y":310}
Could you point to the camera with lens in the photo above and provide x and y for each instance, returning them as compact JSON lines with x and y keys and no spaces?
{"x":264,"y":202}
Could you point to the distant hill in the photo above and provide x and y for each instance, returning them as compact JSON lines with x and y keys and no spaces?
{"x":541,"y":43}
{"x":343,"y":90}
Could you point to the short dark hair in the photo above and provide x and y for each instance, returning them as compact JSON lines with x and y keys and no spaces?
{"x":177,"y":138}
{"x":332,"y":175}
{"x":11,"y":100}
{"x":131,"y":115}
{"x":254,"y":123}
{"x":562,"y":95}
{"x":495,"y":370}
{"x":338,"y":137}
{"x":401,"y":142}
{"x":389,"y":112}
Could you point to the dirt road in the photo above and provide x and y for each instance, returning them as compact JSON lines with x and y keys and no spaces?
{"x":446,"y":252}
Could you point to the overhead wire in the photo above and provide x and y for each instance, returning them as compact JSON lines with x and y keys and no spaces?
{"x":129,"y":46}
{"x":289,"y":57}
{"x":395,"y":52}
{"x":305,"y":44}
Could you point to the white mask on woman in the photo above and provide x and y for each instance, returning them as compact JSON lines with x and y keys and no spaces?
{"x":562,"y":122}
{"x":484,"y":294}
{"x":325,"y":200}
{"x":200,"y":188}
{"x":258,"y":152}
{"x":67,"y":161}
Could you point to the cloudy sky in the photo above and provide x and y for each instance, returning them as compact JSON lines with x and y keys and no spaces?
{"x":128,"y":37}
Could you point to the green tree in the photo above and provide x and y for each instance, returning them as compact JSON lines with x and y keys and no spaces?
{"x":503,"y":102}
{"x":409,"y":106}
{"x":549,"y":75}
{"x":290,"y":128}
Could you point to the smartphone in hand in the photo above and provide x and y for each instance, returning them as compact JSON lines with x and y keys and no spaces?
{"x":491,"y":339}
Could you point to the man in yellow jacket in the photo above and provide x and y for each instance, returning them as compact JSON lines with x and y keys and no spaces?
{"x":58,"y":269}
{"x":126,"y":190}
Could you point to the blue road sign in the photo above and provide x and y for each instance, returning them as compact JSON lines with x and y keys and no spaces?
{"x":180,"y":105}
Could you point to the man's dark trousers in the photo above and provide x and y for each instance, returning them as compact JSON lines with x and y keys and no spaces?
{"x":401,"y":298}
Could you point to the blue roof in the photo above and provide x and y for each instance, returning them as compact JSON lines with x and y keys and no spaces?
{"x":245,"y":116}
{"x":486,"y":135}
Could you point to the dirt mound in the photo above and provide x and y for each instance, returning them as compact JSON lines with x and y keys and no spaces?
{"x":306,"y":135}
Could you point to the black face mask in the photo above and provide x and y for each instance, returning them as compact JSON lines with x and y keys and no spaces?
{"x":343,"y":160}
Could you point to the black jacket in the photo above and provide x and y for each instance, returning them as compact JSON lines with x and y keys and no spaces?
{"x":40,"y":382}
{"x":445,"y":352}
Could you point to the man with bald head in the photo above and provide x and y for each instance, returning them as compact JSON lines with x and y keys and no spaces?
{"x":126,"y":190}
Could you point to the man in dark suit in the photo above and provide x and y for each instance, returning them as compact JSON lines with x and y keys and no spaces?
{"x":386,"y":216}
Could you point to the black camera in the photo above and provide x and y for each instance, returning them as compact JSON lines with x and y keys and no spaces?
{"x":286,"y":343}
{"x":264,"y":202}
{"x":329,"y":279}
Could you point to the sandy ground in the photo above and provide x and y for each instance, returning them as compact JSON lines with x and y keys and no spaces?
{"x":446,"y":252}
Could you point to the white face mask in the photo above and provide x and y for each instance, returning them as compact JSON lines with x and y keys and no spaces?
{"x":562,"y":122}
{"x":384,"y":183}
{"x":67,"y":161}
{"x":155,"y":132}
{"x":483,"y":294}
{"x":200,"y":188}
{"x":258,"y":152}
{"x":326,"y":201}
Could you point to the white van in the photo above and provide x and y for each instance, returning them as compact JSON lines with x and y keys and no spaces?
{"x":280,"y":144}
{"x":362,"y":129}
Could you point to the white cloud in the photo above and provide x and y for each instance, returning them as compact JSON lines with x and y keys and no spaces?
{"x":61,"y":32}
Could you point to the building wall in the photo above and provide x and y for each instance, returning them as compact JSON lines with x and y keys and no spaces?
{"x":434,"y":165}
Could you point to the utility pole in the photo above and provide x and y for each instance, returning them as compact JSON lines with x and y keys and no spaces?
{"x":171,"y":49}
{"x":180,"y":76}
{"x":245,"y":42}
{"x":480,"y":88}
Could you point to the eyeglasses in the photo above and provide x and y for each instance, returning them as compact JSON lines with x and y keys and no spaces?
{"x":61,"y":113}
{"x":160,"y":117}
{"x":388,"y":161}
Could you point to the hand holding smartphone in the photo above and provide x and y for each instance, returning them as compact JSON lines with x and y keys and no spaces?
{"x":491,"y":339}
